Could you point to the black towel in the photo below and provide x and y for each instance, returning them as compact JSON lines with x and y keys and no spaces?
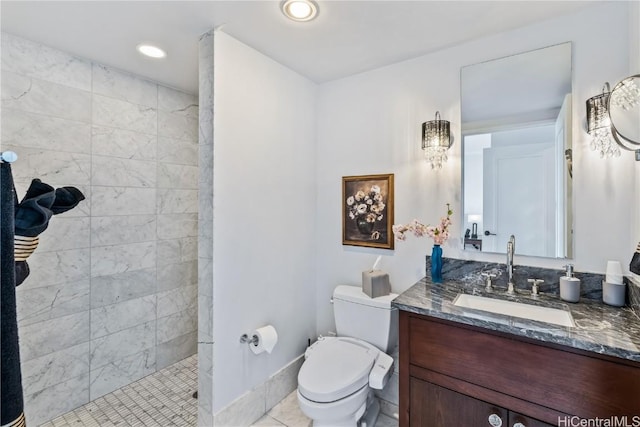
{"x":12,"y":406}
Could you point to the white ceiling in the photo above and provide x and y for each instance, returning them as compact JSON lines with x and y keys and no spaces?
{"x":347,"y":37}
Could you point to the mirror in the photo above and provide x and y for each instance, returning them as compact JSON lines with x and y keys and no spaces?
{"x":624,"y":112}
{"x":517,"y":155}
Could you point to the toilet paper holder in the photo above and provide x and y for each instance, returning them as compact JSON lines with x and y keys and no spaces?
{"x":253,"y":340}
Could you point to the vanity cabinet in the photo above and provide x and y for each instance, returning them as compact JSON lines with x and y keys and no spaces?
{"x":453,"y":374}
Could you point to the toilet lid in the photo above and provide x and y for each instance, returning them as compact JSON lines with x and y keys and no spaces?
{"x":335,"y":369}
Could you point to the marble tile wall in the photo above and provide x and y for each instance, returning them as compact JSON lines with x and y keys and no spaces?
{"x":112,"y":295}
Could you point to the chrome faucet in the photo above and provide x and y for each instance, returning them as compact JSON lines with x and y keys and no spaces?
{"x":511,"y":247}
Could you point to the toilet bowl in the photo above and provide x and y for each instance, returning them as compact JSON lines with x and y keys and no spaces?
{"x":336,"y":380}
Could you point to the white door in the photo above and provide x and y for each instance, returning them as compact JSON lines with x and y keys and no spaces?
{"x":519,"y":199}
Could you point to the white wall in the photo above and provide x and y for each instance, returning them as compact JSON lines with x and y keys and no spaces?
{"x":370,"y":123}
{"x":264,"y":214}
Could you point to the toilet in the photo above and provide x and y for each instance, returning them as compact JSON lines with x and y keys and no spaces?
{"x":337,"y":378}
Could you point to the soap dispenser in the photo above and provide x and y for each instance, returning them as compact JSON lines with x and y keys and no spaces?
{"x":569,"y":286}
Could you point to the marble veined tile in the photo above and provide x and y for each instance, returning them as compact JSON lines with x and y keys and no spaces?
{"x":106,"y":290}
{"x":177,"y":201}
{"x":32,"y":59}
{"x":124,"y":115}
{"x":127,"y":87}
{"x":244,"y":410}
{"x":49,"y":302}
{"x":205,"y":314}
{"x":113,"y":171}
{"x":39,"y":339}
{"x":177,"y":250}
{"x":24,"y":129}
{"x":122,"y":143}
{"x":107,"y":201}
{"x":176,"y":349}
{"x":172,"y":276}
{"x":175,"y":226}
{"x":177,"y":176}
{"x":37,"y":96}
{"x":55,"y":368}
{"x":267,"y":421}
{"x":117,"y":317}
{"x":177,"y":151}
{"x":177,"y":324}
{"x":283,"y":382}
{"x":176,"y":300}
{"x":117,"y":230}
{"x":177,"y":126}
{"x":50,"y":268}
{"x":177,"y":102}
{"x":121,"y":372}
{"x":46,"y":404}
{"x":53,"y":167}
{"x":124,"y":343}
{"x":288,"y":412}
{"x":106,"y":260}
{"x":65,"y":233}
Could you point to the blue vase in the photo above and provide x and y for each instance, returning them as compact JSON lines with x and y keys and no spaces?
{"x":436,"y":264}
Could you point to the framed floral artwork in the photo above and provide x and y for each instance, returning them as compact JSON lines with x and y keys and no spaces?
{"x":367,"y":211}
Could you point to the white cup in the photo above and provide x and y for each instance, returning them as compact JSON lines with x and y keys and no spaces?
{"x":614,"y":272}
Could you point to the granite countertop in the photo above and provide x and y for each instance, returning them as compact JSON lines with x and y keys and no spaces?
{"x":599,"y":328}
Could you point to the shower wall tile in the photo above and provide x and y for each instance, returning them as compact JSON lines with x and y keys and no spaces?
{"x":171,"y":276}
{"x":56,"y":168}
{"x":114,"y":230}
{"x":50,"y":302}
{"x":126,"y":87}
{"x":177,"y":126}
{"x":177,"y":250}
{"x":205,"y":315}
{"x":175,"y":350}
{"x":55,"y":368}
{"x":117,"y":317}
{"x":46,"y":337}
{"x":176,"y":300}
{"x":56,"y":400}
{"x":107,"y":290}
{"x":107,"y":260}
{"x":177,"y":201}
{"x":122,"y":143}
{"x":121,"y":372}
{"x":122,"y":344}
{"x":23,"y":129}
{"x":174,"y":226}
{"x":65,"y":233}
{"x":107,"y":201}
{"x":177,"y":176}
{"x":35,"y":60}
{"x":38,"y":96}
{"x":124,"y":115}
{"x":51,"y":268}
{"x":113,"y":171}
{"x":177,"y":324}
{"x":177,"y":151}
{"x":177,"y":102}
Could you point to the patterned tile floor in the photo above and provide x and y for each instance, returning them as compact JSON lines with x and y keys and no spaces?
{"x":164,"y":399}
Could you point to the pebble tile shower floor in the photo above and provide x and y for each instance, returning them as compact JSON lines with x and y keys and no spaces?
{"x":164,"y":399}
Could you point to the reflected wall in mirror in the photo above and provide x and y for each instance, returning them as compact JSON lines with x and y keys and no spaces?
{"x":517,"y":155}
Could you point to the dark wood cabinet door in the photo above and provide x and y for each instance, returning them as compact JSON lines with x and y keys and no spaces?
{"x":515,"y":418}
{"x":435,"y":406}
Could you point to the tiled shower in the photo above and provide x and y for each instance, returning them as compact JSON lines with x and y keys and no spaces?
{"x":112,"y":295}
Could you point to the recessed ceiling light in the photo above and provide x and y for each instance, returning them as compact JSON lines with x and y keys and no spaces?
{"x":151,"y":51}
{"x":300,"y":10}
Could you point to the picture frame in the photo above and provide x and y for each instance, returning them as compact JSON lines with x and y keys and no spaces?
{"x":367,"y":211}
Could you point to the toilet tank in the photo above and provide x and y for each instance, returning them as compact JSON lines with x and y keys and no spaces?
{"x":369,"y":319}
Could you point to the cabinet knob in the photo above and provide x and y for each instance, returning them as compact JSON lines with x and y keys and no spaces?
{"x":495,"y":420}
{"x":519,"y":425}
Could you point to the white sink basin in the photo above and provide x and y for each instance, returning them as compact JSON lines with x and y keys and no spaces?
{"x":515,"y":309}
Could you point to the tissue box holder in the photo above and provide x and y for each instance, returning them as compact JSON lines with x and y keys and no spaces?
{"x":375,"y":283}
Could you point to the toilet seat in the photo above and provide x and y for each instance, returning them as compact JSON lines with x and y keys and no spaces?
{"x":336,"y":368}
